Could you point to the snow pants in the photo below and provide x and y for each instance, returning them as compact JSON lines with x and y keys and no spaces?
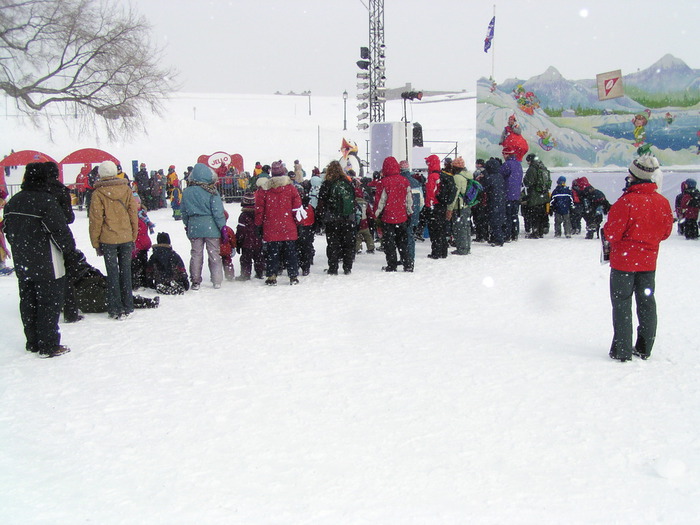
{"x":340,"y":236}
{"x":40,"y":304}
{"x":623,"y":285}
{"x":213,"y":246}
{"x":462,"y":231}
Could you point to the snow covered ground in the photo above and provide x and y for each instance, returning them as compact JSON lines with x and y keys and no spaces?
{"x":476,"y":390}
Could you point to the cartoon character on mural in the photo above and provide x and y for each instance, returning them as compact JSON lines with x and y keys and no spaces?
{"x":527,"y":100}
{"x":669,"y":118}
{"x":512,"y":138}
{"x":350,"y":160}
{"x":546,"y":141}
{"x":640,"y":121}
{"x":493,"y":86}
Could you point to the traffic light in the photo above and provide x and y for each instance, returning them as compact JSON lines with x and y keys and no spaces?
{"x":411,"y":95}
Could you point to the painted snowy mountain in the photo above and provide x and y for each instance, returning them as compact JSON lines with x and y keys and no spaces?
{"x":556,"y":92}
{"x":668,"y":74}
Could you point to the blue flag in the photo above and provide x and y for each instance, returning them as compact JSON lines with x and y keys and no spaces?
{"x":489,"y":35}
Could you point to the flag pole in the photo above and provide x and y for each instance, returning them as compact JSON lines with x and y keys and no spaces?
{"x":493,"y":50}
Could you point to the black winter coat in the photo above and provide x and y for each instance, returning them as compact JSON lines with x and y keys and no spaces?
{"x":63,"y":197}
{"x":38,"y":234}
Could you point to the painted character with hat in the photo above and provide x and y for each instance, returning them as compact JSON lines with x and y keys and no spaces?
{"x":637,"y":223}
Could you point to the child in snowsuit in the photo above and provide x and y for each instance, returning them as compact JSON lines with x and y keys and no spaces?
{"x":560,"y":206}
{"x":139,"y":256}
{"x":248,"y":242}
{"x":227,"y":249}
{"x":305,"y":242}
{"x":176,"y":200}
{"x":366,"y":214}
{"x":165,"y":271}
{"x":91,"y":292}
{"x":690,"y":207}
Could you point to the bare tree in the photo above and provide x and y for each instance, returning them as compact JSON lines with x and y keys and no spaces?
{"x":92,"y":56}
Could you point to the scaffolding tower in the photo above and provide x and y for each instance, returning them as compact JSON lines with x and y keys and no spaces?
{"x":377,"y":78}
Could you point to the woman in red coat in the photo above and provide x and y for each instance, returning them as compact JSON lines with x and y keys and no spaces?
{"x":276,"y":205}
{"x":637,"y":223}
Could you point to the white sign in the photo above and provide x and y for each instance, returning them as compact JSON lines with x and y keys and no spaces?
{"x":610,"y":85}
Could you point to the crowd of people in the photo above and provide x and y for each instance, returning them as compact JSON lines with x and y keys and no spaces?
{"x":282,"y":212}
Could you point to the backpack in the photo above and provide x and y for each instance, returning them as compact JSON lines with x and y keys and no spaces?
{"x":544,"y":180}
{"x":473,"y":193}
{"x":448,"y":190}
{"x":342,"y":199}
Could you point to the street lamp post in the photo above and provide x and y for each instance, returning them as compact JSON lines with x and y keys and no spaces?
{"x":345,"y":110}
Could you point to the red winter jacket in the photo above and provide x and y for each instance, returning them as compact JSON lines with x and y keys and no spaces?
{"x":433,"y":183}
{"x":637,"y":223}
{"x":274,"y":209}
{"x":393,"y":202}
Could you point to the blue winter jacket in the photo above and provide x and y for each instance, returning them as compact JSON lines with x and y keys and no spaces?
{"x":202,"y":211}
{"x":562,"y":200}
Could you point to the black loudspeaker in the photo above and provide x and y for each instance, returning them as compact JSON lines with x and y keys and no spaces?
{"x":417,"y":135}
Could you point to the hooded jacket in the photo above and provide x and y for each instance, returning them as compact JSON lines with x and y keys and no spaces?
{"x":113,"y":213}
{"x":201,"y":208}
{"x":433,"y":183}
{"x":165,"y":266}
{"x":393,"y":202}
{"x":274,"y":209}
{"x":512,"y":172}
{"x":37,"y":231}
{"x":638,"y":221}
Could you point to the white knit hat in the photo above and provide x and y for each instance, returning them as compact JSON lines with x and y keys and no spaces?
{"x":645,"y":167}
{"x":107,"y":169}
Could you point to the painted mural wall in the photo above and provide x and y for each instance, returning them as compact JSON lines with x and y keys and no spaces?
{"x":566,"y":125}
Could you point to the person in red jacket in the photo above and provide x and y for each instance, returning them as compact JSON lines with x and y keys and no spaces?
{"x":637,"y":223}
{"x":276,"y":206}
{"x":393,"y":204}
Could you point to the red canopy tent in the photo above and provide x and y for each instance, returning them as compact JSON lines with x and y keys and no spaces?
{"x":22,"y":158}
{"x":86,"y":156}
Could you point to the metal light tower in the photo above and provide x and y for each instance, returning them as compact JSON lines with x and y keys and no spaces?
{"x":377,"y":68}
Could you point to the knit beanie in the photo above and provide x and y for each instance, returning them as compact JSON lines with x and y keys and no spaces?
{"x":278,"y":168}
{"x":248,"y":200}
{"x":561,"y":180}
{"x":107,"y":169}
{"x":163,"y":238}
{"x":644,"y":167}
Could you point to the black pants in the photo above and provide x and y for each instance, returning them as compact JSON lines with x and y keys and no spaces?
{"x":538,"y":219}
{"x":340,"y":236}
{"x":623,"y":285}
{"x":305,"y":246}
{"x":396,"y":236}
{"x":437,"y":228}
{"x":40,"y":304}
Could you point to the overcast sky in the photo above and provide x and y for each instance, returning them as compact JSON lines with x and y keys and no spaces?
{"x":262,"y":46}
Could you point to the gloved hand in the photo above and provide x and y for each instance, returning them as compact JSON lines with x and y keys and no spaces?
{"x":259,"y":231}
{"x":300,"y":214}
{"x":99,"y":251}
{"x":224,"y":235}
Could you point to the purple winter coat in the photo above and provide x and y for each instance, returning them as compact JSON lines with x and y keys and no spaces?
{"x":512,"y":172}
